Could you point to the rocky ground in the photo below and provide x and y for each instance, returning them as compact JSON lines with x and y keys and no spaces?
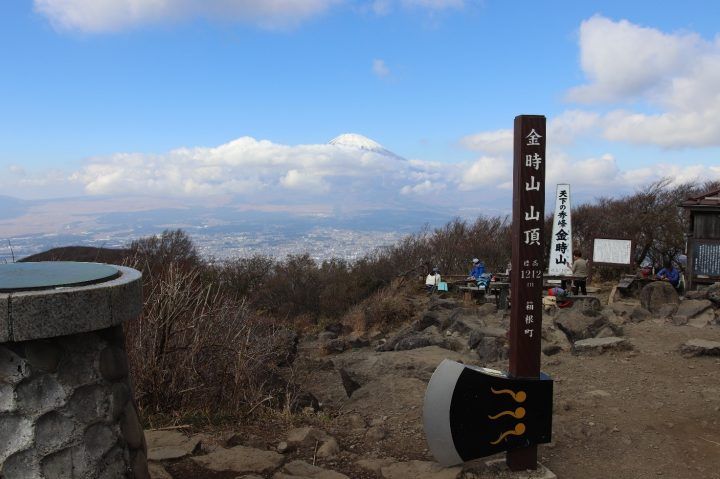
{"x":637,"y":395}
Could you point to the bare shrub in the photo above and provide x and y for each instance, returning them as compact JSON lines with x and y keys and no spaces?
{"x":195,"y":349}
{"x":152,"y":253}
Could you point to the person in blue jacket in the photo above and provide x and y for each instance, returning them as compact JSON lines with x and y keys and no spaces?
{"x":477,"y":270}
{"x":669,"y":273}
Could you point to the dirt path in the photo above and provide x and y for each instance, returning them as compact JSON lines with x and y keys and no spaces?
{"x":647,"y":413}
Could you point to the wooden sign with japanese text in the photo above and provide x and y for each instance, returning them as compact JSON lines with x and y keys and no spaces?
{"x":561,"y":256}
{"x":612,"y":252}
{"x":526,"y":277}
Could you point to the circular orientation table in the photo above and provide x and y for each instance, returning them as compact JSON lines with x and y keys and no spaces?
{"x":66,"y":402}
{"x":53,"y":274}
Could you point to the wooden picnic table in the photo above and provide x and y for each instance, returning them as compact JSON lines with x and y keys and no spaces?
{"x":500,"y":291}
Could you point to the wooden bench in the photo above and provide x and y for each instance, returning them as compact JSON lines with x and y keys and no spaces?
{"x":499,"y":291}
{"x":469,"y":292}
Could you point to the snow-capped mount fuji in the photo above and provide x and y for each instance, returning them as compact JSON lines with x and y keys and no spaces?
{"x":360,"y":142}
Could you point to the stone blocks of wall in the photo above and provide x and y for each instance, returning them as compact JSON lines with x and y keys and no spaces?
{"x":67,"y":409}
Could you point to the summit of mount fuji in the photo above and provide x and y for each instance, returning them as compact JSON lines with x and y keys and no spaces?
{"x":360,"y":142}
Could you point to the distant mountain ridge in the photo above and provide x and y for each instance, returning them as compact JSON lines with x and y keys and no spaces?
{"x":80,"y":253}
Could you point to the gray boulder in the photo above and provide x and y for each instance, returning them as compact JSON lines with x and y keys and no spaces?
{"x":578,"y":324}
{"x":333,"y":346}
{"x":415,"y":341}
{"x":621,"y":309}
{"x":713,"y":293}
{"x":601,"y":345}
{"x":430,"y":318}
{"x":486,"y":309}
{"x":657,"y":294}
{"x":349,"y":383}
{"x":492,"y":349}
{"x":478,"y":334}
{"x":700,"y":347}
{"x":666,"y":310}
{"x":639,"y":314}
{"x":693,"y":308}
{"x":408,"y":339}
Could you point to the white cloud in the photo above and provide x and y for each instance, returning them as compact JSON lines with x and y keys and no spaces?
{"x":485,"y":172}
{"x":304,"y":181}
{"x":562,"y":129}
{"x":588,"y":173}
{"x":265,"y":173}
{"x":426,"y":187}
{"x":247,"y":166}
{"x":380,"y":69}
{"x":623,"y":60}
{"x":676,"y":76}
{"x":677,"y":174}
{"x":97,"y":16}
{"x":566,"y":127}
{"x":490,"y":142}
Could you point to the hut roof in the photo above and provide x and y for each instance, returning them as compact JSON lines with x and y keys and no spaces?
{"x":711,"y":198}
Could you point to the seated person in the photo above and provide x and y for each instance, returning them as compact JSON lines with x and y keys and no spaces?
{"x":477,"y":270}
{"x":669,"y":273}
{"x":561,"y":297}
{"x":432,"y":280}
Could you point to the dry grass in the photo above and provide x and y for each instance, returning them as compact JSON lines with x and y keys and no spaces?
{"x":195,"y":351}
{"x":386,"y":308}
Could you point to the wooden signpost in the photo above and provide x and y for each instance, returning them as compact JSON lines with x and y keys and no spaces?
{"x":471,"y":412}
{"x":526,"y":276}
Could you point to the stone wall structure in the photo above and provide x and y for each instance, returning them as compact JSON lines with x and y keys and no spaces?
{"x":66,"y":402}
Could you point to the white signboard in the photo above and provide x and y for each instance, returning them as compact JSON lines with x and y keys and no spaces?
{"x":612,"y":251}
{"x":561,"y":245}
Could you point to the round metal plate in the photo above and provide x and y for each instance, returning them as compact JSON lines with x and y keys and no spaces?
{"x":53,"y":274}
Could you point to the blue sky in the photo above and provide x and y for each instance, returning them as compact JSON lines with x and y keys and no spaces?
{"x":194,"y":98}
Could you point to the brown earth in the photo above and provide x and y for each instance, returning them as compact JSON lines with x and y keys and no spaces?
{"x":645,"y":413}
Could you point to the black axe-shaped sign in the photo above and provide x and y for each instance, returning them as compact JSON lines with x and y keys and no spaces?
{"x":471,"y":412}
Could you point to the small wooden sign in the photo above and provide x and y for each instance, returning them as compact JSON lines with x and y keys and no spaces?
{"x":612,"y":252}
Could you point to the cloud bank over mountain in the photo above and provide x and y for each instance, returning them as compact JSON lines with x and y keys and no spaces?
{"x":349,"y":165}
{"x":350,"y":168}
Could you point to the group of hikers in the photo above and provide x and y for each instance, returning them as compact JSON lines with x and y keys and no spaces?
{"x":477,"y":274}
{"x":578,"y":268}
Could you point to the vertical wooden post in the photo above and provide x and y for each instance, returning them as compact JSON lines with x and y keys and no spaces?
{"x":526,"y":277}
